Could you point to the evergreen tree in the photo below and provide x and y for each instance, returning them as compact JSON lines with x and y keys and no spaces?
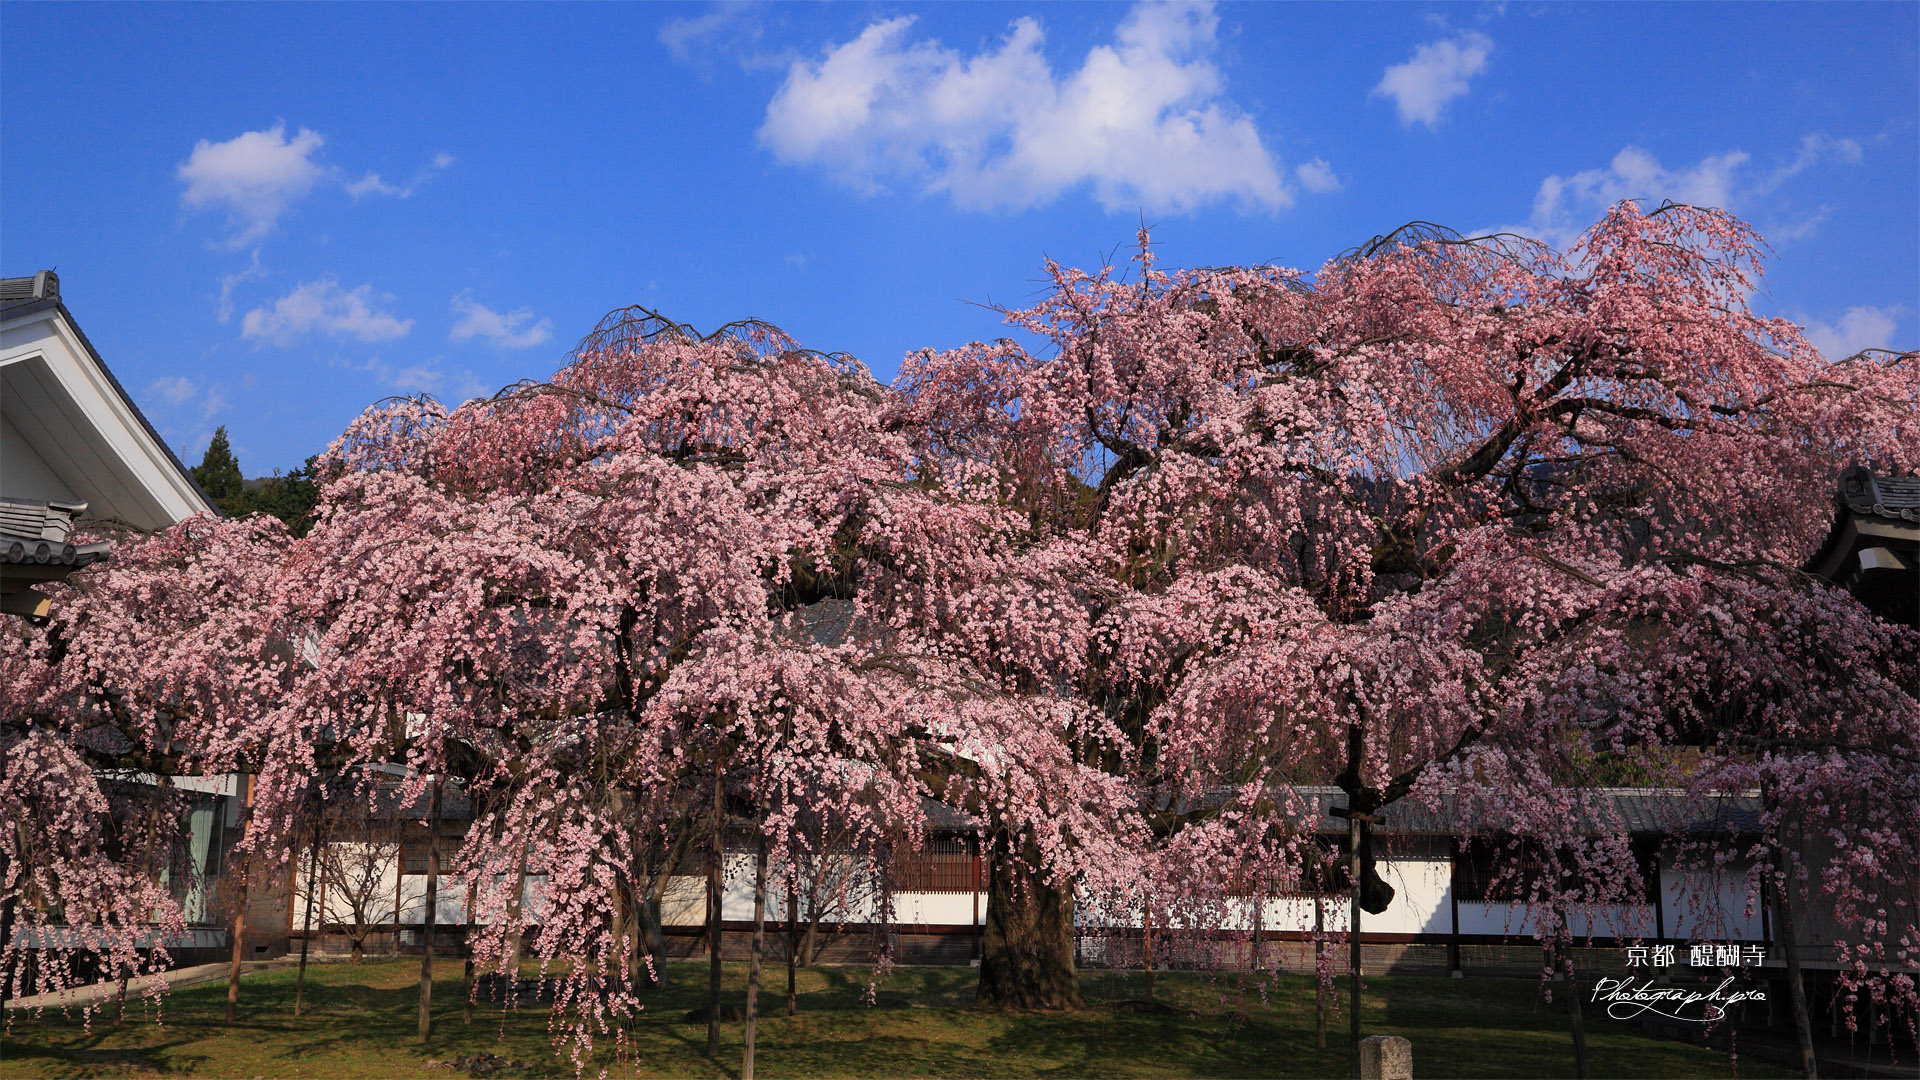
{"x":290,"y":498}
{"x":218,"y":473}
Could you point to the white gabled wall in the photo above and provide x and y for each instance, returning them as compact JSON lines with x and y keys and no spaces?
{"x":86,"y":439}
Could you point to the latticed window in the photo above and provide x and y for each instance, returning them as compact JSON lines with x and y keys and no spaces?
{"x":946,"y":866}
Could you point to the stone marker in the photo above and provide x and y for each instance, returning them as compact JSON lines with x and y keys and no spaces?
{"x":1386,"y":1057}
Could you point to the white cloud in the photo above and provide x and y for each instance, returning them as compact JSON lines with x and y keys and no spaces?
{"x":214,"y":404}
{"x":175,"y":390}
{"x":1438,"y":73}
{"x":325,"y":307}
{"x":1858,"y":328}
{"x":228,"y":282}
{"x":1798,"y":228}
{"x":725,"y":31}
{"x":1317,"y":176}
{"x":372,"y":184}
{"x":1814,"y":149}
{"x":503,"y":329}
{"x":683,"y":36}
{"x":422,"y":378}
{"x":1143,"y":121}
{"x":1565,"y":205}
{"x":190,"y":407}
{"x":255,"y":176}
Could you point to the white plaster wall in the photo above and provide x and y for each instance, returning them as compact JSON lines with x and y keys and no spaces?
{"x":684,"y":902}
{"x":1614,"y":920}
{"x":23,"y":473}
{"x":1421,"y":905}
{"x":449,"y":900}
{"x":1711,"y":904}
{"x":1485,"y":918}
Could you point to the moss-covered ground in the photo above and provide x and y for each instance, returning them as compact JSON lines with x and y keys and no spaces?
{"x":360,"y":1022}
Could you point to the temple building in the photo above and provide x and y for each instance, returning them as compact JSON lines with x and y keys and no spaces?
{"x":78,"y":458}
{"x":75,"y":451}
{"x":1873,"y":550}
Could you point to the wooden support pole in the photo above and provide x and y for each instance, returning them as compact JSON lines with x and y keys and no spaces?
{"x":240,"y":908}
{"x":979,"y":928}
{"x":1319,"y":948}
{"x":1454,"y":967}
{"x":1353,"y":936}
{"x":466,"y":941}
{"x":1574,"y":1013}
{"x":433,"y":903}
{"x":793,"y":939}
{"x":306,"y":922}
{"x":1357,"y":820}
{"x":714,"y":898}
{"x":759,"y":946}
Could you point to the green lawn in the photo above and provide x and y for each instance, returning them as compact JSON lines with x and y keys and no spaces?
{"x":361,"y":1023}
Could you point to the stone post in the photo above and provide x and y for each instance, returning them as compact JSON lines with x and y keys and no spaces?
{"x":1386,"y":1057}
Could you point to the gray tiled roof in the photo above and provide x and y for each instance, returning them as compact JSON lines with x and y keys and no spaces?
{"x":1633,"y":810}
{"x":21,"y":291}
{"x":36,"y":531}
{"x":1896,"y":497}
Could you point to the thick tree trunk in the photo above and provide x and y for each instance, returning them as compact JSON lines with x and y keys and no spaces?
{"x":1796,"y":988}
{"x":759,"y":946}
{"x":651,"y":941}
{"x":1028,"y":963}
{"x":810,"y":949}
{"x":433,"y":906}
{"x":7,"y":978}
{"x":618,"y":905}
{"x":515,"y":943}
{"x":1574,"y":1012}
{"x":1789,"y":942}
{"x":714,"y":899}
{"x":1580,"y":1067}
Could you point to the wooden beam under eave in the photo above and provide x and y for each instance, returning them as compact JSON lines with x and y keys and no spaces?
{"x":26,"y":603}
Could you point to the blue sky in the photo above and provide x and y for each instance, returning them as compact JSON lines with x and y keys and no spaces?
{"x":270,"y":216}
